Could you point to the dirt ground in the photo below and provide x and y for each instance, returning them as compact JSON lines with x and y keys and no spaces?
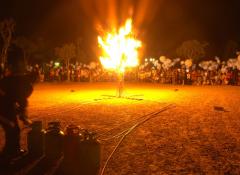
{"x":199,"y":134}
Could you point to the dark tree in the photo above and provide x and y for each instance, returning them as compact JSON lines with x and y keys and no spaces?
{"x":28,"y":47}
{"x":192,"y":49}
{"x":66,"y":53}
{"x":7,"y":28}
{"x":231,"y":48}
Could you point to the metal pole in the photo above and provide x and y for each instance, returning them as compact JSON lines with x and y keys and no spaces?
{"x":120,"y":84}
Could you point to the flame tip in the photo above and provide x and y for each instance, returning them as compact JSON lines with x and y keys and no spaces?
{"x":120,"y":48}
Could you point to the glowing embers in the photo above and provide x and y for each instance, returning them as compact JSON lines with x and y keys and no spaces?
{"x":120,"y":49}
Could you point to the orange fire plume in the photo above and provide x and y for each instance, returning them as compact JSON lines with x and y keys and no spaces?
{"x":120,"y":49}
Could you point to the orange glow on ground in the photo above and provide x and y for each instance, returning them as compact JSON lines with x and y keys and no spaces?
{"x":193,"y":130}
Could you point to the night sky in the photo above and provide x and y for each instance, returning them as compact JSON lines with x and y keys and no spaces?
{"x":162,"y":25}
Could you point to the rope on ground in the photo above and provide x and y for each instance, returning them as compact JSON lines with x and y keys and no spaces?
{"x":128,"y":123}
{"x":148,"y":117}
{"x":124,"y":123}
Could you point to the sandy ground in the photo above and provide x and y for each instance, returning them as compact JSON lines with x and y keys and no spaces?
{"x":201,"y":135}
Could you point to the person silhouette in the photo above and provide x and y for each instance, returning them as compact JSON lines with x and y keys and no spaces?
{"x":1,"y":71}
{"x":15,"y":88}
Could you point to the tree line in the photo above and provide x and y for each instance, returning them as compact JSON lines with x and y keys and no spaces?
{"x":37,"y":49}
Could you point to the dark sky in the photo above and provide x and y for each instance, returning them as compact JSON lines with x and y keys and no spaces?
{"x":161,"y":24}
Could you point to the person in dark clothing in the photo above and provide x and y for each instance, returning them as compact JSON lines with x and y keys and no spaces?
{"x":15,"y":88}
{"x":1,"y":71}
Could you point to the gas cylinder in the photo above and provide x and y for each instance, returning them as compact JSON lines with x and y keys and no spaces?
{"x":35,"y":139}
{"x":72,"y":141}
{"x":54,"y":141}
{"x":89,"y":154}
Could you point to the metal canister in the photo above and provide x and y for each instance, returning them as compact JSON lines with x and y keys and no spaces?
{"x":72,"y":141}
{"x":35,"y":139}
{"x":89,"y":154}
{"x":54,"y":141}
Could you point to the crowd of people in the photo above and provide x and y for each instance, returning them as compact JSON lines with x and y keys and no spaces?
{"x":162,"y":70}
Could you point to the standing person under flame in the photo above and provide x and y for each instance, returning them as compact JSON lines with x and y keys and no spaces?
{"x":15,"y":88}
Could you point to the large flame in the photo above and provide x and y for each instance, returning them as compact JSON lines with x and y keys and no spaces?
{"x":120,"y":50}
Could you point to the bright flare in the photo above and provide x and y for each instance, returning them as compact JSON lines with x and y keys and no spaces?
{"x":120,"y":50}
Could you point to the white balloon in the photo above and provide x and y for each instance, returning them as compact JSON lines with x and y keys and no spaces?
{"x":162,"y":58}
{"x":188,"y":63}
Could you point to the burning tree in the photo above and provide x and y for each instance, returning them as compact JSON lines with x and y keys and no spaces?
{"x":120,"y":50}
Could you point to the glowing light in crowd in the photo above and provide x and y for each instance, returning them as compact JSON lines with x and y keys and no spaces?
{"x":120,"y":49}
{"x":56,"y":64}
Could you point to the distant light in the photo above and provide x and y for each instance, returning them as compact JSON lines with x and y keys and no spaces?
{"x":56,"y":64}
{"x":146,"y":60}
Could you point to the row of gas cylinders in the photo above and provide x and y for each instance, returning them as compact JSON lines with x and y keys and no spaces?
{"x":79,"y":147}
